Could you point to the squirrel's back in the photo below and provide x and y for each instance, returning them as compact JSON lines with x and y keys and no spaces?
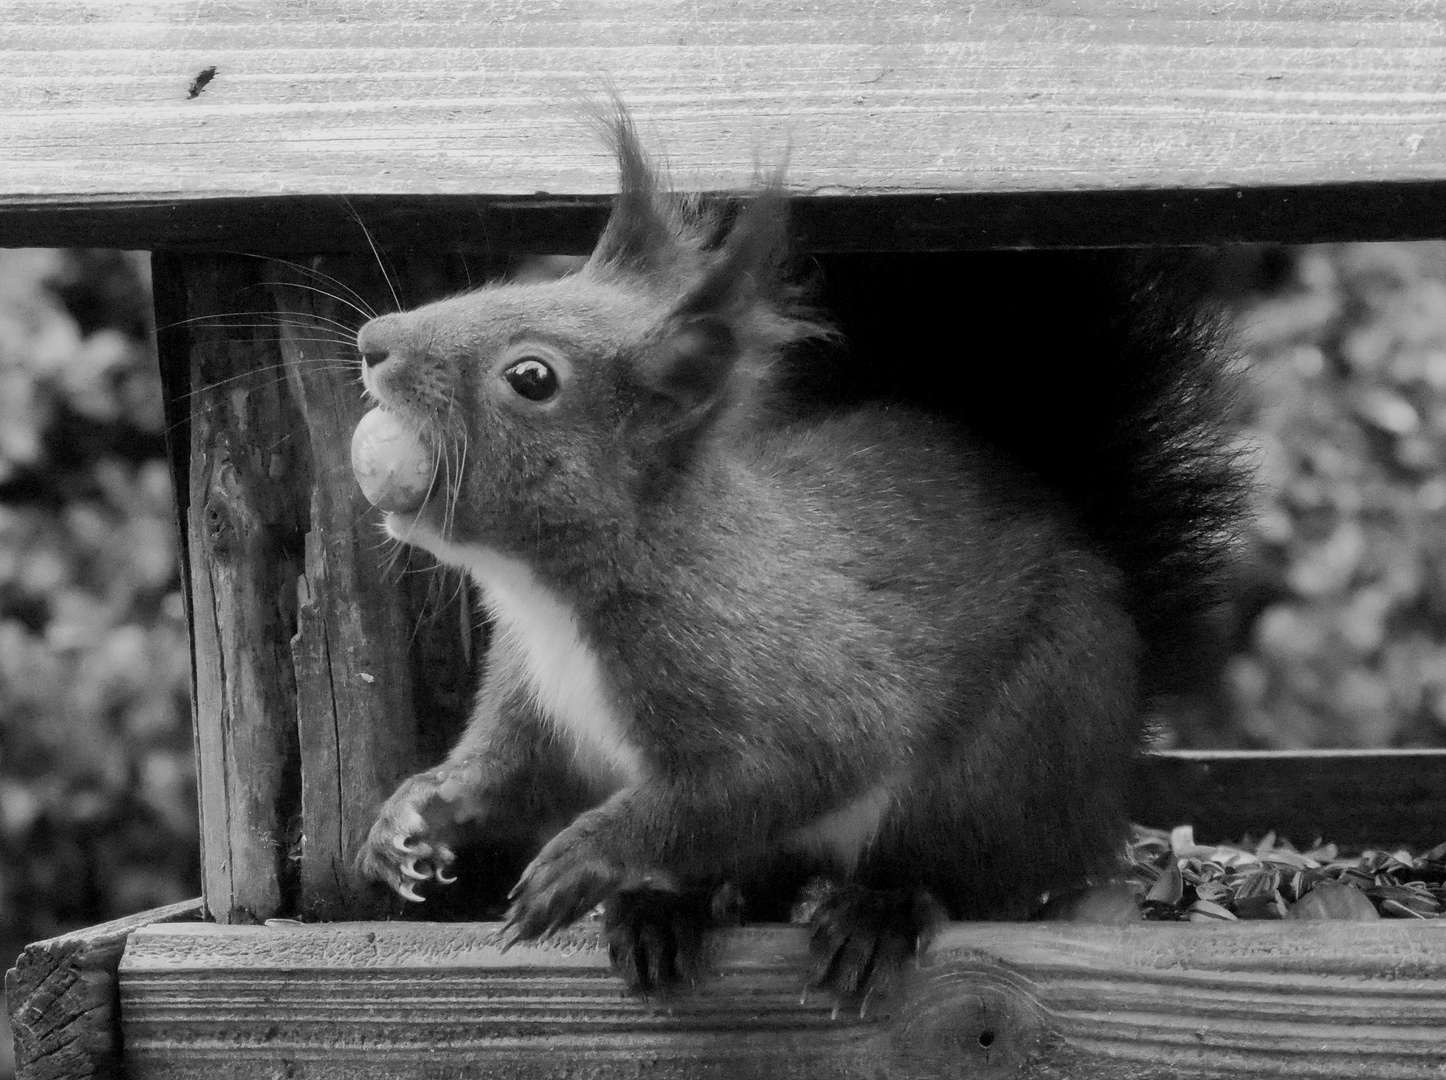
{"x":1105,"y":375}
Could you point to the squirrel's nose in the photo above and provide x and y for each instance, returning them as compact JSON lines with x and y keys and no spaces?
{"x":381,"y":339}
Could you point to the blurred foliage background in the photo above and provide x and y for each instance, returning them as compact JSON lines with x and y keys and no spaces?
{"x":1339,"y":626}
{"x":97,"y":789}
{"x":1341,"y":614}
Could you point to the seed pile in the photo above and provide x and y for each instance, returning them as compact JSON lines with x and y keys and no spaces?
{"x":1176,"y":879}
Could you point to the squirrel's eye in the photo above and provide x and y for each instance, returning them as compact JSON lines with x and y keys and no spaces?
{"x":531,"y":378}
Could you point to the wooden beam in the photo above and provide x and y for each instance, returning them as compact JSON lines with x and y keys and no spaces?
{"x":1355,"y":798}
{"x":1005,"y":999}
{"x":61,"y":995}
{"x":958,"y":125}
{"x":483,"y":227}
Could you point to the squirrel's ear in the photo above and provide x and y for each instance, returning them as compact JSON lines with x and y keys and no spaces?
{"x":725,"y":313}
{"x":690,"y":366}
{"x":640,"y":234}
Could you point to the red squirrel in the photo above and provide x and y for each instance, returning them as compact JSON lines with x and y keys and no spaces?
{"x":734,"y":641}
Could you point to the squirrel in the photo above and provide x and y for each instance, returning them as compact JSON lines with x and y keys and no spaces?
{"x":740,"y":640}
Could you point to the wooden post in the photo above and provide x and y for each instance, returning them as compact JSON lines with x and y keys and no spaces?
{"x":244,"y":543}
{"x":314,"y":656}
{"x":355,"y":711}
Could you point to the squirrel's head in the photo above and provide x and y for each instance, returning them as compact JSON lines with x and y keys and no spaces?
{"x":575,"y":402}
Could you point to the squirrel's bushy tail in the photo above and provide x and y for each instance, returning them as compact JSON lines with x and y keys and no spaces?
{"x":1102,"y":371}
{"x":1162,"y":484}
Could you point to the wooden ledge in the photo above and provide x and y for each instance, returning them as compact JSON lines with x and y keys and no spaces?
{"x":1002,"y":999}
{"x":1062,"y":121}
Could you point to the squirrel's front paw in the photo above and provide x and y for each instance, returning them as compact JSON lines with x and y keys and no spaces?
{"x":570,"y":876}
{"x":412,"y":839}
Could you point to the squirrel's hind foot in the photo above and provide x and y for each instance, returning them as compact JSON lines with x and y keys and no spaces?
{"x":861,"y":939}
{"x":659,"y":941}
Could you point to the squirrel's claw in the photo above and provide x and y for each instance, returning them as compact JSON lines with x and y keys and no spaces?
{"x":568,"y":879}
{"x":507,"y":938}
{"x":862,"y":940}
{"x":409,"y":843}
{"x":658,"y":939}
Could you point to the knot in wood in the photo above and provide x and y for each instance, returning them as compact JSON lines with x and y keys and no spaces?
{"x":219,"y":519}
{"x":237,"y":512}
{"x":970,"y":1023}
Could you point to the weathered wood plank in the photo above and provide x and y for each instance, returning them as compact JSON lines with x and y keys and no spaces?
{"x":898,"y":101}
{"x":61,"y":995}
{"x":244,"y":540}
{"x":1005,"y":999}
{"x":1356,"y":798}
{"x":357,"y":719}
{"x":327,"y":664}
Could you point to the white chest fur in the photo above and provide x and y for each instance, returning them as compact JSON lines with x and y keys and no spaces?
{"x":540,"y":633}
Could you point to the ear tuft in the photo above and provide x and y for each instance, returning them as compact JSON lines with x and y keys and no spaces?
{"x":746,"y":270}
{"x":642,"y":232}
{"x":726,"y":310}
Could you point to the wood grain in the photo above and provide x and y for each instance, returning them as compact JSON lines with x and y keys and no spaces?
{"x":356,"y":717}
{"x":244,"y":497}
{"x":1015,"y":1000}
{"x":61,"y":995}
{"x":1174,"y":109}
{"x":327,"y":664}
